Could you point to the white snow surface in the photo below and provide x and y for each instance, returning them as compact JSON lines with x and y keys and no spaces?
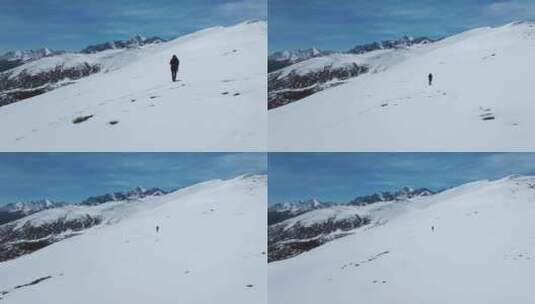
{"x":481,"y":251}
{"x":153,"y":113}
{"x":484,"y":71}
{"x":209,"y":248}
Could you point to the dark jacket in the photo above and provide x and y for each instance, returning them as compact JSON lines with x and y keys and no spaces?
{"x":174,"y":63}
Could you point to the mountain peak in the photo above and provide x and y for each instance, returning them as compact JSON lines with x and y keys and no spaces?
{"x":135,"y":194}
{"x":403,"y":193}
{"x":403,"y":42}
{"x":139,"y":189}
{"x":296,"y":55}
{"x":28,"y":55}
{"x":132,"y":42}
{"x":32,"y":206}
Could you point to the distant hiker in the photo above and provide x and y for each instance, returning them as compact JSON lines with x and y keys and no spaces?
{"x":174,"y":67}
{"x":157,"y":228}
{"x":430,"y":78}
{"x":432,"y":228}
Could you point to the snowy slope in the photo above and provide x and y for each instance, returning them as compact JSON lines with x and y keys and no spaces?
{"x":481,"y":251}
{"x":218,"y":104}
{"x":480,"y":74}
{"x":212,"y":238}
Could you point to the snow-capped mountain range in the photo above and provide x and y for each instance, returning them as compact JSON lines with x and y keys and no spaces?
{"x":135,"y":194}
{"x":282,"y":59}
{"x":123,"y":99}
{"x":27,"y":83}
{"x":399,"y":195}
{"x":29,"y":207}
{"x":133,"y":42}
{"x":299,"y":226}
{"x":289,"y":209}
{"x":14,"y":59}
{"x":294,"y":75}
{"x":111,"y":243}
{"x":27,"y":55}
{"x":29,"y":226}
{"x":14,"y":211}
{"x":24,"y":56}
{"x":403,"y":42}
{"x":482,"y":230}
{"x":295,"y":55}
{"x":282,"y":211}
{"x":279,"y":60}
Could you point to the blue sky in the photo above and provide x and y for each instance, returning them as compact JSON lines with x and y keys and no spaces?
{"x":75,"y":176}
{"x":341,"y":24}
{"x":343,"y":176}
{"x":71,"y":25}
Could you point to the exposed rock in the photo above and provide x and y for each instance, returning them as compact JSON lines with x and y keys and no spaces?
{"x":287,"y":241}
{"x":16,"y":241}
{"x":284,"y":89}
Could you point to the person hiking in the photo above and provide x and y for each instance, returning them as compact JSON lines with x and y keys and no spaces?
{"x":430,"y":78}
{"x":174,"y":67}
{"x":432,"y":228}
{"x":157,"y":228}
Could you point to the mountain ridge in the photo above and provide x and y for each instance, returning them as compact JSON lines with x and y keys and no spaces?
{"x":14,"y":211}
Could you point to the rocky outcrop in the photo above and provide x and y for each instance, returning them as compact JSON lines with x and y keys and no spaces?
{"x":293,"y":86}
{"x":9,"y":64}
{"x":288,"y":241}
{"x":25,"y":85}
{"x":14,"y":211}
{"x":16,"y":241}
